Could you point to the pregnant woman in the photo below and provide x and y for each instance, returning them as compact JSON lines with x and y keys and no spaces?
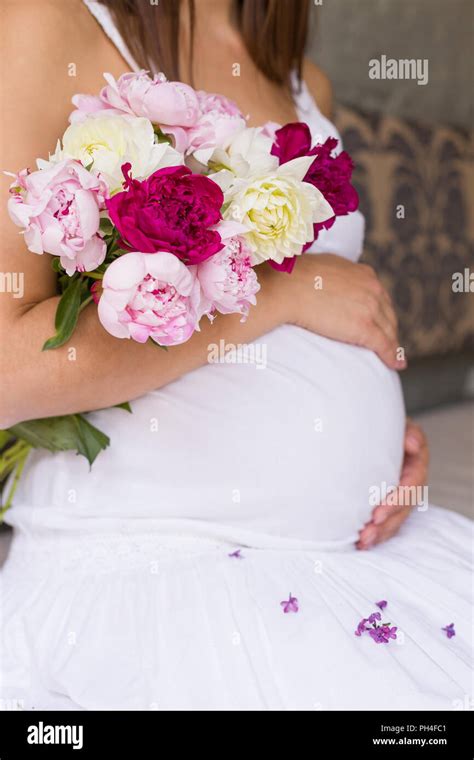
{"x":209,"y":559}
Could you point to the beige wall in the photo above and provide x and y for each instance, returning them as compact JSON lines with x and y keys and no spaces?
{"x":351,"y":32}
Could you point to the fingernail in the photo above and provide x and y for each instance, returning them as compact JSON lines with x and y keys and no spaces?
{"x":369,"y":536}
{"x":413,"y":440}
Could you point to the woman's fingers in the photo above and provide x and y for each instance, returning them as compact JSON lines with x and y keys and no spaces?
{"x":416,"y":444}
{"x":379,"y":339}
{"x":372,"y":534}
{"x":392,"y":525}
{"x":386,"y":318}
{"x":367,"y":537}
{"x":379,"y":320}
{"x":388,"y":517}
{"x":351,"y":305}
{"x":393,"y":503}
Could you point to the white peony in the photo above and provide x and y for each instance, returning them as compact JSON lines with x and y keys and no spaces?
{"x":278,"y":209}
{"x":105,"y":142}
{"x":247,"y":154}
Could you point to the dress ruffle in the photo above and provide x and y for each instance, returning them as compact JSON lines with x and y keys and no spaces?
{"x":171,"y":623}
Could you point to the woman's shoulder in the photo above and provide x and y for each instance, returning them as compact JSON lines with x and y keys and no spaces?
{"x":58,"y":50}
{"x":319,"y":85}
{"x":60,"y":36}
{"x":38,"y":20}
{"x":49,"y":51}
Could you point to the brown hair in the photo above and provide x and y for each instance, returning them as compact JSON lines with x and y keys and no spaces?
{"x":274,"y":33}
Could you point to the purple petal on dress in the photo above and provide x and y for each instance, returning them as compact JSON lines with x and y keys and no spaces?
{"x":374,"y":616}
{"x":237,"y":554}
{"x":290,"y":604}
{"x":450,"y":632}
{"x":388,"y":631}
{"x":378,"y":635}
{"x":381,"y":605}
{"x":361,"y":627}
{"x":381,"y":634}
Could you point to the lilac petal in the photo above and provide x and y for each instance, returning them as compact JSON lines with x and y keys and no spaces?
{"x":237,"y":554}
{"x":290,"y":604}
{"x":450,"y":632}
{"x":381,"y":605}
{"x":361,"y":627}
{"x":377,"y":635}
{"x":374,"y":616}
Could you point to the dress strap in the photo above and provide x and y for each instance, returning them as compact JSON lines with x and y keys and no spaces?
{"x":103,"y":16}
{"x":303,"y":100}
{"x":308,"y":111}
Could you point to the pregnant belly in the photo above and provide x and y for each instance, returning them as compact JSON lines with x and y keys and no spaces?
{"x":295,"y":447}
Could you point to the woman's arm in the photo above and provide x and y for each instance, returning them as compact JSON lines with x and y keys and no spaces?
{"x":47,"y":45}
{"x":102,"y":370}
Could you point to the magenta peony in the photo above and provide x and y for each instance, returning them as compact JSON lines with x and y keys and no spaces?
{"x":172,"y":210}
{"x":330,"y":174}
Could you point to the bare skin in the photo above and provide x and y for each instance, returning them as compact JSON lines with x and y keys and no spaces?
{"x":47,"y":45}
{"x":387,"y":518}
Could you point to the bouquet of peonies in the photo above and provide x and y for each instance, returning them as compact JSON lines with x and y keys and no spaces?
{"x":157,"y":205}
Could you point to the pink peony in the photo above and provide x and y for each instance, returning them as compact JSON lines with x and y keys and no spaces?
{"x":87,"y":105}
{"x":59,"y":209}
{"x":219,"y":119}
{"x":330,"y":174}
{"x":150,"y":296}
{"x":195,"y":120}
{"x":227,"y":279}
{"x":172,"y":210}
{"x":172,"y":105}
{"x":269,"y":129}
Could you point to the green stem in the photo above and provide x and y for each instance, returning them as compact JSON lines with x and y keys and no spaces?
{"x":94,"y":275}
{"x":12,"y":455}
{"x":15,"y":481}
{"x":85,"y":303}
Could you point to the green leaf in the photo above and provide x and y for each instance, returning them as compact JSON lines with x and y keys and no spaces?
{"x":91,"y":441}
{"x":125,"y":405}
{"x":158,"y":345}
{"x":106,"y":226}
{"x":51,"y":433}
{"x":118,"y":252}
{"x":66,"y":315}
{"x":56,"y":265}
{"x":160,"y":135}
{"x":71,"y":432}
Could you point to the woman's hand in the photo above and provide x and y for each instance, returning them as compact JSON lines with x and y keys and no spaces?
{"x":387,"y":518}
{"x":334,"y":297}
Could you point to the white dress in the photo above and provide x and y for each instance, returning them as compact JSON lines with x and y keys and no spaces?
{"x":125,"y":587}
